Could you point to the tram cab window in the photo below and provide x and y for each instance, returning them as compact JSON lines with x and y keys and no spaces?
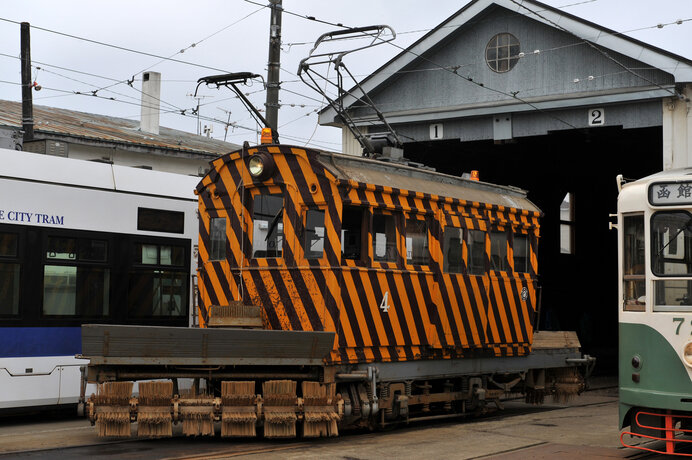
{"x":671,"y":256}
{"x":498,"y":251}
{"x":217,"y":235}
{"x":267,"y":225}
{"x":157,"y":281}
{"x":9,"y":274}
{"x":417,"y":251}
{"x":353,"y":226}
{"x":520,"y":247}
{"x":76,"y":280}
{"x":383,"y":237}
{"x":313,"y":236}
{"x":634,"y":284}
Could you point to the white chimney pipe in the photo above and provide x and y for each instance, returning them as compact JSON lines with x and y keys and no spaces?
{"x":151,"y":101}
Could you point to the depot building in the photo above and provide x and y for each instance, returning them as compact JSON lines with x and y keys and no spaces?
{"x":533,"y":97}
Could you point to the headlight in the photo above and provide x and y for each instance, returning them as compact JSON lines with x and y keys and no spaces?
{"x":687,"y":354}
{"x":256,"y":165}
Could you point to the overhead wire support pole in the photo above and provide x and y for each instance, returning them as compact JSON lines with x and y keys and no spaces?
{"x":274,"y":66}
{"x":27,"y":98}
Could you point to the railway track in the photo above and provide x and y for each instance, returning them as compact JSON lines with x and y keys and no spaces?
{"x":352,"y":444}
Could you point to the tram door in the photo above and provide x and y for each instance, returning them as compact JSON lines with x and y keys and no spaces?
{"x":214,"y":271}
{"x":512,"y":286}
{"x":462,"y":289}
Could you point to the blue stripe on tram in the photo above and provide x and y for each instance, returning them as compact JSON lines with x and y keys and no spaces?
{"x":17,"y":342}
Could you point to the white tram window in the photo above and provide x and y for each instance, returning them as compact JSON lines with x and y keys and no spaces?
{"x":673,"y":295}
{"x":671,"y":240}
{"x":671,"y":256}
{"x":634,"y":282}
{"x":9,"y":274}
{"x":157,"y":293}
{"x":314,"y":234}
{"x":383,"y":237}
{"x":9,"y":289}
{"x":267,"y":224}
{"x":75,"y":291}
{"x":498,"y":251}
{"x":521,"y":250}
{"x":417,"y":251}
{"x":8,"y":245}
{"x":75,"y":281}
{"x":62,"y":249}
{"x":158,"y":254}
{"x":567,"y":224}
{"x":217,"y":235}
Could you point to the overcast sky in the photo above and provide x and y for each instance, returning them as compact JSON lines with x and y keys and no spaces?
{"x":232,"y":36}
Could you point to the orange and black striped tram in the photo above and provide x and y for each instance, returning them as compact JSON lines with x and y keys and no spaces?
{"x":339,"y":291}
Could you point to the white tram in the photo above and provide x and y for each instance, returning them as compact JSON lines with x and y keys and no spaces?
{"x":655,"y":310}
{"x":85,"y":242}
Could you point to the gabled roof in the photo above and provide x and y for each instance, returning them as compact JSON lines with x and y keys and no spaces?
{"x":90,"y":127}
{"x":678,"y":66}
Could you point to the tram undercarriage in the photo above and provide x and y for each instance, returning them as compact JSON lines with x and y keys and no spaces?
{"x":274,"y":383}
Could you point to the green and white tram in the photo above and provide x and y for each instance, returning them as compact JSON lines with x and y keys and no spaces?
{"x":655,"y":309}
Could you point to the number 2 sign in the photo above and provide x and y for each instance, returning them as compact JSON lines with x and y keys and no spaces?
{"x":596,"y":117}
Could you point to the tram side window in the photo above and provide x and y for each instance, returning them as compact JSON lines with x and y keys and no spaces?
{"x":383,"y":237}
{"x":352,"y":228}
{"x":160,"y":220}
{"x":476,"y":247}
{"x":9,"y":274}
{"x":157,"y":282}
{"x":417,"y":251}
{"x":314,"y":234}
{"x":217,"y":235}
{"x":452,"y":243}
{"x":268,"y":227}
{"x":520,"y":247}
{"x":634,"y":285}
{"x":498,"y":251}
{"x":671,"y":239}
{"x":76,"y":278}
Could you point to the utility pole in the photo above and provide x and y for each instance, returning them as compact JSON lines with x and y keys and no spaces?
{"x":27,"y":101}
{"x":274,"y":65}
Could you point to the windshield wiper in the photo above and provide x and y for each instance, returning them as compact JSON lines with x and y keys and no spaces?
{"x":273,"y":223}
{"x":686,"y":226}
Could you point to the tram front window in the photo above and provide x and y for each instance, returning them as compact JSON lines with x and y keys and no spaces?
{"x":671,"y":257}
{"x":634,"y":283}
{"x":268,"y":227}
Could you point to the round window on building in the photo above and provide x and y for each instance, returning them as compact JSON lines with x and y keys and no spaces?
{"x":502,"y":52}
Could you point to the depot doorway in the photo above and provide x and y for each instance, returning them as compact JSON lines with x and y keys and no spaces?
{"x":570,"y":176}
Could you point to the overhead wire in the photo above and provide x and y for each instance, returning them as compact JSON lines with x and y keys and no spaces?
{"x":121,"y":48}
{"x":437,"y":67}
{"x":514,"y":94}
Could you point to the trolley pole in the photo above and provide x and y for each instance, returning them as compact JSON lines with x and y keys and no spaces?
{"x":274,"y":66}
{"x":27,"y":98}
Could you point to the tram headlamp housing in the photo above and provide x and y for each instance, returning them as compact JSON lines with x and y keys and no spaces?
{"x":687,"y":354}
{"x":260,"y":166}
